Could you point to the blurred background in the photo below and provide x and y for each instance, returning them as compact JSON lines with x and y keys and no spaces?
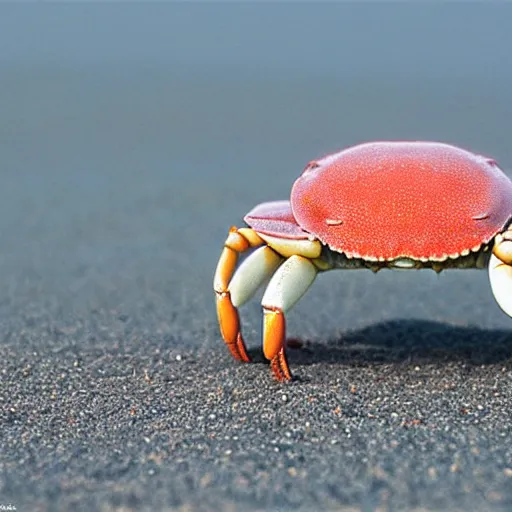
{"x":132,"y":136}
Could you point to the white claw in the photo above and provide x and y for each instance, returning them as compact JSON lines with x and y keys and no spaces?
{"x":252,"y":273}
{"x":289,"y":283}
{"x":500,"y":275}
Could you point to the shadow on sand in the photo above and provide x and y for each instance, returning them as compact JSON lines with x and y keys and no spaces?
{"x":405,"y":341}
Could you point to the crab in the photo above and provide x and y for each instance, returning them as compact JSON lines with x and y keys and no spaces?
{"x":395,"y":205}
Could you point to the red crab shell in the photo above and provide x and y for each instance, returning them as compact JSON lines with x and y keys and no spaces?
{"x":388,"y":200}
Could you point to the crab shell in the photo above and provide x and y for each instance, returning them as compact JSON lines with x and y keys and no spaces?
{"x":406,"y":205}
{"x":384,"y":201}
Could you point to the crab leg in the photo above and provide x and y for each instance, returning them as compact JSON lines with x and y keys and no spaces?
{"x":238,"y":241}
{"x":252,"y":273}
{"x":287,"y":286}
{"x":500,"y":271}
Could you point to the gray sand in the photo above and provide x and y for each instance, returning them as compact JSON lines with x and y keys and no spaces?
{"x":130,"y":140}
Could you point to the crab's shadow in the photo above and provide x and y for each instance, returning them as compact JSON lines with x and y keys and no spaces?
{"x":406,"y":341}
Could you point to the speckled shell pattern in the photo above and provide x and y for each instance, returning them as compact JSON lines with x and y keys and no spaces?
{"x":389,"y":200}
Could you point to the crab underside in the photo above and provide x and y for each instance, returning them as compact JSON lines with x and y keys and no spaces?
{"x":478,"y":258}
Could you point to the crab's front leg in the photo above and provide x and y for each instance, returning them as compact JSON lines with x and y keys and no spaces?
{"x":500,"y":270}
{"x":289,"y":283}
{"x":286,"y":287}
{"x":232,"y":291}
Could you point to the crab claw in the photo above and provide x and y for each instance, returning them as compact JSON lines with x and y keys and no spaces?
{"x":500,"y":273}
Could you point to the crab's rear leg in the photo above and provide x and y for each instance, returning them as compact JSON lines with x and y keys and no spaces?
{"x":500,"y":271}
{"x":234,"y":290}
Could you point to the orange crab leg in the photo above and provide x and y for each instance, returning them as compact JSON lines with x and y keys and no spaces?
{"x":238,"y":241}
{"x":274,"y":332}
{"x":287,"y":286}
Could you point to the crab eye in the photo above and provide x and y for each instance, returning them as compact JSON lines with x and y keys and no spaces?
{"x":311,"y":166}
{"x":493,"y":163}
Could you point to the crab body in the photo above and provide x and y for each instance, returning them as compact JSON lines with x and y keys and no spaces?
{"x":404,"y":205}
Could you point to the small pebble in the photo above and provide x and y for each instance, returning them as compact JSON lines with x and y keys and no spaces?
{"x":292,"y":471}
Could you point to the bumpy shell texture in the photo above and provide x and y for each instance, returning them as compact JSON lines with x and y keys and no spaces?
{"x":388,"y":200}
